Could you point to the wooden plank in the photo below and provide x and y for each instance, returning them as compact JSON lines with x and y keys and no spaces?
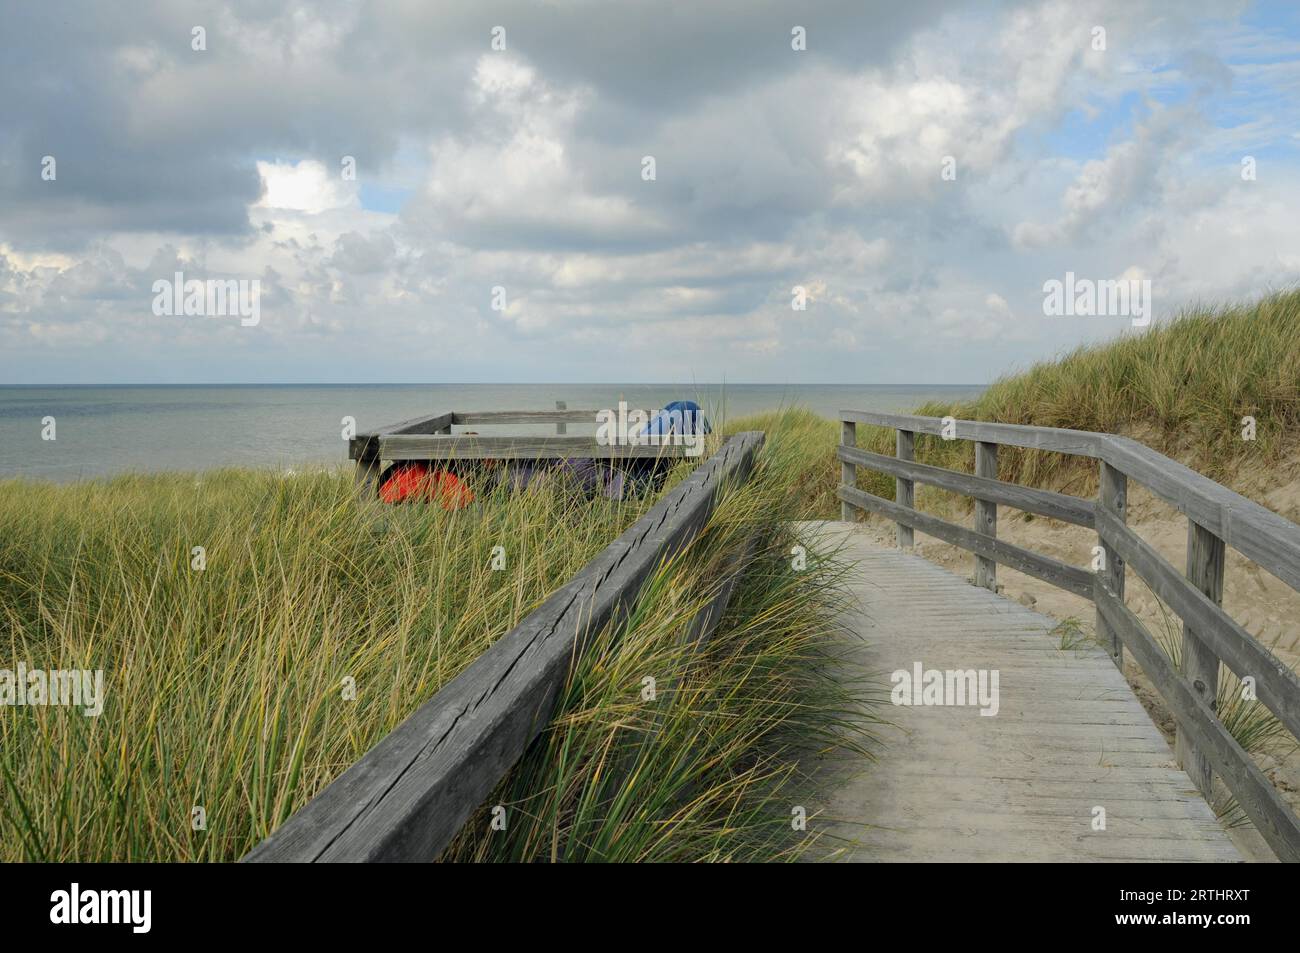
{"x":364,"y":443}
{"x":949,"y":783}
{"x":1079,"y":442}
{"x":1205,"y":554}
{"x":537,"y":447}
{"x":1059,"y":506}
{"x":1270,"y":540}
{"x":558,"y":416}
{"x":1069,"y":578}
{"x":848,"y":472}
{"x":408,"y":796}
{"x":905,"y":489}
{"x":1271,"y":814}
{"x":1276,"y":685}
{"x":986,"y":514}
{"x":1112,"y":497}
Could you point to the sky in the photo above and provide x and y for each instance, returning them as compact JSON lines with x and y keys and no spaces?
{"x":464,"y":191}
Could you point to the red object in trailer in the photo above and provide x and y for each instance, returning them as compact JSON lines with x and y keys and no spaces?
{"x":418,"y":482}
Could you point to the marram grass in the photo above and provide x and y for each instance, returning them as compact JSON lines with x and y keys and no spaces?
{"x":225,"y":687}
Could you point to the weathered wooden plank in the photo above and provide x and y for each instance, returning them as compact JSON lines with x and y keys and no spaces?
{"x":1270,"y":540}
{"x":1205,"y":555}
{"x":986,"y":514}
{"x":905,"y":489}
{"x":408,"y":796}
{"x":1069,"y":578}
{"x":950,"y":783}
{"x":1271,"y":814}
{"x":477,"y":447}
{"x":1059,"y":506}
{"x":1079,"y":442}
{"x":558,"y":416}
{"x":848,"y":472}
{"x":1276,"y":686}
{"x":365,"y":443}
{"x":1112,"y":496}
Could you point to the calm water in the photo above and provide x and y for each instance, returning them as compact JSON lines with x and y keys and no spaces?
{"x":107,"y":430}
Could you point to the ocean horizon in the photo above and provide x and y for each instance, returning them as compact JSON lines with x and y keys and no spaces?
{"x":106,"y":430}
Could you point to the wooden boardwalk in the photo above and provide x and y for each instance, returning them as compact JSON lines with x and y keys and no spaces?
{"x":1069,"y":737}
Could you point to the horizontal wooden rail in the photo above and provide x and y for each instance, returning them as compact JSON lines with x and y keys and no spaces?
{"x":407,"y":797}
{"x":1070,"y":578}
{"x":1081,"y":443}
{"x":1275,"y":684}
{"x":1217,"y":517}
{"x":1272,"y":816}
{"x":475,"y":447}
{"x":495,"y":417}
{"x":1060,"y":506}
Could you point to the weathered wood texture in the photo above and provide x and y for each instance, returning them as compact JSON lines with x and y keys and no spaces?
{"x":950,"y":784}
{"x":477,"y":447}
{"x":408,"y":796}
{"x":1070,"y":578}
{"x":1271,"y":815}
{"x":1217,"y":518}
{"x":986,"y":513}
{"x":848,"y":472}
{"x":904,"y":487}
{"x":368,"y":442}
{"x":1058,"y":506}
{"x":1205,"y":554}
{"x":1276,"y":686}
{"x":1112,"y":498}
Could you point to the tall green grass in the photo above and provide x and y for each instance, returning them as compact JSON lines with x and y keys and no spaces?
{"x":225,"y":687}
{"x":1182,"y":387}
{"x":711,"y":766}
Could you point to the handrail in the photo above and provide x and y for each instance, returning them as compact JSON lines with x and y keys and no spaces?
{"x":1217,"y":517}
{"x":407,"y":797}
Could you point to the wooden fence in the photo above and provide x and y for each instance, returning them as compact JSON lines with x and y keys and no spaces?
{"x":431,"y":438}
{"x":1217,"y":518}
{"x":406,"y":798}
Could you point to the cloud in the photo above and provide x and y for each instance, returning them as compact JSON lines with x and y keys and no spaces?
{"x":523,"y":168}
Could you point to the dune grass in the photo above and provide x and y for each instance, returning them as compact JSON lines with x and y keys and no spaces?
{"x":227,"y":688}
{"x":1181,"y":387}
{"x":707,"y":760}
{"x":224,"y":686}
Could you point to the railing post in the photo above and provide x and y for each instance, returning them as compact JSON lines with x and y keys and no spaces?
{"x":1112,"y":496}
{"x":904,"y":490}
{"x":848,"y":472}
{"x":1205,"y":553}
{"x":986,"y":514}
{"x":561,"y":428}
{"x":366,"y":478}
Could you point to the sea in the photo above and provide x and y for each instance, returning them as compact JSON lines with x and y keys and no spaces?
{"x":102,"y":431}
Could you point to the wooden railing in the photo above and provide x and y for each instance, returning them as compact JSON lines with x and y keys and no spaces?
{"x":1217,"y":518}
{"x":407,"y":797}
{"x":430,"y":438}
